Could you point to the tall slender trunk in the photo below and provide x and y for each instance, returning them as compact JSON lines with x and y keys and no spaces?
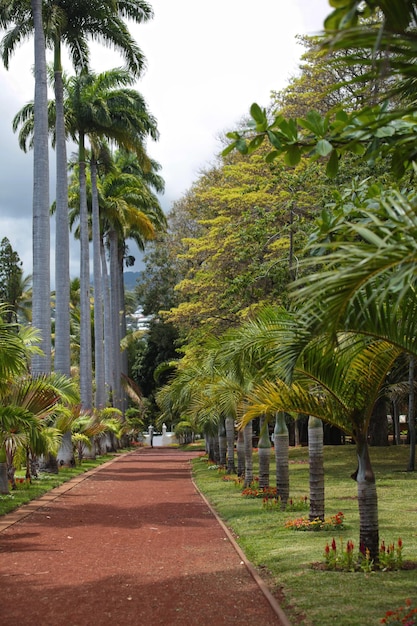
{"x":247,"y":438}
{"x":62,"y":359}
{"x":100,"y":400}
{"x":367,"y":499}
{"x":4,"y":481}
{"x":123,"y":327}
{"x":240,"y":449}
{"x":315,"y":455}
{"x":281,"y":444}
{"x":41,"y":308}
{"x":222,"y":442}
{"x":108,"y":335}
{"x":411,"y":417}
{"x":396,"y":423}
{"x":86,"y":378}
{"x":230,"y":444}
{"x":115,"y":319}
{"x":264,"y":453}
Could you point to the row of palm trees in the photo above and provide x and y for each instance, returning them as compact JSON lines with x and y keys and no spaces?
{"x":352,"y":320}
{"x":115,"y":197}
{"x":37,"y":412}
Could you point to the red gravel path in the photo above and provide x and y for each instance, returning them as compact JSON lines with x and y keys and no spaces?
{"x":131,"y":543}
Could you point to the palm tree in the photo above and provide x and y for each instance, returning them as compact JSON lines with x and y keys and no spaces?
{"x":264,"y":453}
{"x":41,"y":315}
{"x":315,"y":456}
{"x":20,"y":12}
{"x":281,"y":445}
{"x":35,"y":400}
{"x":339,"y":386}
{"x":71,"y":24}
{"x":24,"y":400}
{"x":130,"y":210}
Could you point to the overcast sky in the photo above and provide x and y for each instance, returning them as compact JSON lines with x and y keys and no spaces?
{"x":206,"y":63}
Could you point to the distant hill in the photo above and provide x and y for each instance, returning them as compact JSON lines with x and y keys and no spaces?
{"x":130,"y":280}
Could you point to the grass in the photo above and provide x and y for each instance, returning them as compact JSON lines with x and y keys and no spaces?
{"x":314,"y":596}
{"x":27,"y":492}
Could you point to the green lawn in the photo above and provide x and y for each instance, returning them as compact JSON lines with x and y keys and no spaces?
{"x":325,"y":598}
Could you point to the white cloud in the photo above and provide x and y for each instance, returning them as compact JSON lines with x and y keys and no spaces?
{"x":207,"y":62}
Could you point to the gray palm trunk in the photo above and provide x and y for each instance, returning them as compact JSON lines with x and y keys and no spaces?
{"x":86,"y":379}
{"x":264,"y":454}
{"x":281,"y":445}
{"x":247,"y":438}
{"x":108,"y":342}
{"x":41,"y":309}
{"x":4,"y":481}
{"x":240,"y":449}
{"x":62,"y":358}
{"x":411,"y":416}
{"x":115,"y":305}
{"x":123,"y":329}
{"x":99,"y":370}
{"x":230,"y":444}
{"x":367,"y":499}
{"x":315,"y":455}
{"x":222,"y":442}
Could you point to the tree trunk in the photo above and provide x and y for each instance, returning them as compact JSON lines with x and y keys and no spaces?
{"x":100,"y":399}
{"x":222,"y":442}
{"x":108,"y":344}
{"x":281,"y":443}
{"x":41,"y":290}
{"x":86,"y":378}
{"x":230,"y":444}
{"x":378,"y":427}
{"x":62,"y":359}
{"x":264,"y":453}
{"x":216,"y":451}
{"x":296,"y":433}
{"x":123,"y":327}
{"x":367,"y":499}
{"x":240,"y":448}
{"x":65,"y":455}
{"x":395,"y":423}
{"x":115,"y":319}
{"x":411,"y":418}
{"x":315,"y":455}
{"x":4,"y":481}
{"x":247,"y":439}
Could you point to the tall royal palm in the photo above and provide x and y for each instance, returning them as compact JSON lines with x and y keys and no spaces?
{"x":130,"y":210}
{"x":100,"y":106}
{"x":41,"y":316}
{"x":71,"y":24}
{"x":15,"y":12}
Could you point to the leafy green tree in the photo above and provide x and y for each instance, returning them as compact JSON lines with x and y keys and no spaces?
{"x":10,"y":279}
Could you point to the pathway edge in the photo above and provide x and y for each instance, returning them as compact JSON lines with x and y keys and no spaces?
{"x":9,"y":519}
{"x":257,"y":578}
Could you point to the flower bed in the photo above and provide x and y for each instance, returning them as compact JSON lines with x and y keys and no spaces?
{"x":303,"y":523}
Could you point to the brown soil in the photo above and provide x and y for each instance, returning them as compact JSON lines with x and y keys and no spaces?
{"x":131,"y":543}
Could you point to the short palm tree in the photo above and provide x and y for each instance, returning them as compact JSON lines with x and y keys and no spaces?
{"x":338,"y":385}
